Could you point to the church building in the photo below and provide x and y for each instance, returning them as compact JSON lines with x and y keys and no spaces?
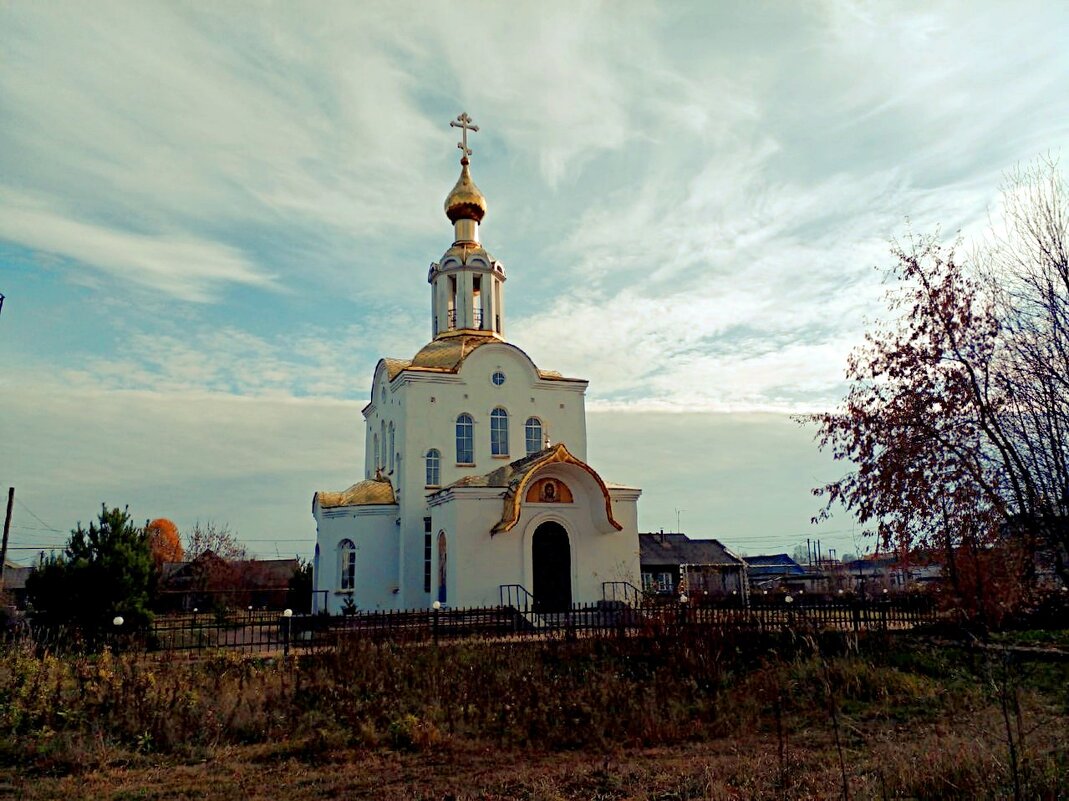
{"x":476,"y":490}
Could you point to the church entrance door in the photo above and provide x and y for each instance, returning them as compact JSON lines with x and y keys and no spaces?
{"x":552,"y":559}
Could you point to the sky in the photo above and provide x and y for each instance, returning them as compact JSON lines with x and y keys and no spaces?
{"x":215,"y":218}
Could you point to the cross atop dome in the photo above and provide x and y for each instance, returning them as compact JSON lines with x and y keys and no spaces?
{"x":465,"y":207}
{"x":464,"y":123}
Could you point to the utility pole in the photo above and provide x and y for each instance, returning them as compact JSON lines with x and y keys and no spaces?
{"x":7,"y":528}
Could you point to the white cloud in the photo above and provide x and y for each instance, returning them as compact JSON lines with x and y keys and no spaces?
{"x":182,"y":266}
{"x":307,"y":363}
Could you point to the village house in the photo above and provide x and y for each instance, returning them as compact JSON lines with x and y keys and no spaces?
{"x":672,"y":563}
{"x":774,"y":571}
{"x":211,"y":582}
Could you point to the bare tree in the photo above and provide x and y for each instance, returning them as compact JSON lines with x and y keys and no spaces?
{"x":221,"y":563}
{"x":216,"y":538}
{"x":958,"y":410}
{"x":1027,"y":270}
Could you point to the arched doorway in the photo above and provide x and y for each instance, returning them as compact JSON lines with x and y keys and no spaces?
{"x":551,"y":556}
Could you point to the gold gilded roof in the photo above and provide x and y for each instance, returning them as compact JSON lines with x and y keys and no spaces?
{"x":395,"y":366}
{"x":465,"y":202}
{"x":446,"y":354}
{"x":372,"y":492}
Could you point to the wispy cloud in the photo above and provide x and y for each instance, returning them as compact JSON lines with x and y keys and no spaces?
{"x":182,"y":266}
{"x":307,"y":363}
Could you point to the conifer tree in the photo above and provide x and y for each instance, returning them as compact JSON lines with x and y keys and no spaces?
{"x":105,"y":571}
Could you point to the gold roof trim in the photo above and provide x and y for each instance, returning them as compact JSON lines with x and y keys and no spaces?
{"x":516,"y":476}
{"x":371,"y":492}
{"x":465,"y":251}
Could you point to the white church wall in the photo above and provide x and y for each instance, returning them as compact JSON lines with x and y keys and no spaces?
{"x":422,"y":423}
{"x":477,"y":563}
{"x":373,"y":532}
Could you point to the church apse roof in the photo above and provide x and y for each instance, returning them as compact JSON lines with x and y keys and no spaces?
{"x":371,"y":492}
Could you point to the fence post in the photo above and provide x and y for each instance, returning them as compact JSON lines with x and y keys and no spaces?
{"x":435,"y":607}
{"x":287,"y":617}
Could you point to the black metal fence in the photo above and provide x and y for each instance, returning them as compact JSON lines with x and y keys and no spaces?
{"x":262,"y":632}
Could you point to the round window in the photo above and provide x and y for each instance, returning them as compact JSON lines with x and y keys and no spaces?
{"x":498,"y":378}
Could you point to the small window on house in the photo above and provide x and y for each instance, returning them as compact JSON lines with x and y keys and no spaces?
{"x":647,"y":582}
{"x":434,"y":474}
{"x":465,"y":440}
{"x":665,"y":582}
{"x":346,"y":565}
{"x":498,"y":378}
{"x":532,"y":434}
{"x":499,"y":432}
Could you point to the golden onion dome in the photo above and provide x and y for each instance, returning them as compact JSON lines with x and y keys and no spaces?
{"x":465,"y":202}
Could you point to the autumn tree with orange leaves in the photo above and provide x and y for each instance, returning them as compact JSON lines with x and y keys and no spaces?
{"x":164,"y":541}
{"x":957,"y":417}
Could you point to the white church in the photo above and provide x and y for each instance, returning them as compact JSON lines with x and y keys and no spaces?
{"x":476,"y":489}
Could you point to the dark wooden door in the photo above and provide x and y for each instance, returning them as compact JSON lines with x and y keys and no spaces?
{"x":552,"y":558}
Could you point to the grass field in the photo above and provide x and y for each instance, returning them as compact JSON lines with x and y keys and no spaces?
{"x":689,"y":717}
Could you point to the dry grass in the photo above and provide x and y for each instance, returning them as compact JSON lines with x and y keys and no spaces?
{"x":689,"y":718}
{"x":925,"y":762}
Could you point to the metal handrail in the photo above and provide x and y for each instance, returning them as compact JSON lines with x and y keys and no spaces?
{"x":621,"y":591}
{"x":517,"y":596}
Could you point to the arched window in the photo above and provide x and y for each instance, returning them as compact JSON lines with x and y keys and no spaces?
{"x":433,"y":467}
{"x":346,"y":565}
{"x":499,"y":432}
{"x":532,"y":434}
{"x":465,"y":440}
{"x":391,"y":447}
{"x":382,"y":462}
{"x":375,"y":465}
{"x":443,"y":559}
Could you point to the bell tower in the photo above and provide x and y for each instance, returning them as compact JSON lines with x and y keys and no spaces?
{"x":467,"y":285}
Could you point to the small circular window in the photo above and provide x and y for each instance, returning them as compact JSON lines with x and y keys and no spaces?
{"x":498,"y":378}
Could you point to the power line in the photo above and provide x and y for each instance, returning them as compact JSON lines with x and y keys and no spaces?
{"x":38,"y":519}
{"x":51,"y":546}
